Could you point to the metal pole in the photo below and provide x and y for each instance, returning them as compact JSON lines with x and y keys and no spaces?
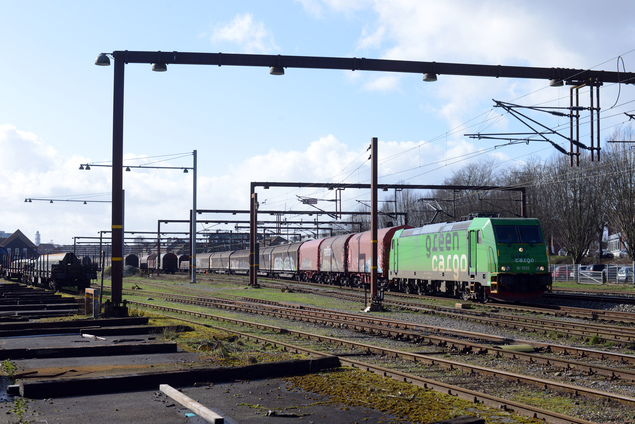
{"x":158,"y":258}
{"x":374,"y":298}
{"x":253,"y":272}
{"x":193,"y":242}
{"x":591,"y":133}
{"x":597,"y":91}
{"x":117,"y":182}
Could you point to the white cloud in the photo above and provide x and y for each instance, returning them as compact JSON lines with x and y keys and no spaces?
{"x":250,"y":35}
{"x":318,"y":8}
{"x":371,"y":38}
{"x":15,"y":144}
{"x":383,"y":83}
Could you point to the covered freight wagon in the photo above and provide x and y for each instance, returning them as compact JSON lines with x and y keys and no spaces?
{"x":148,"y":261}
{"x":220,"y":263}
{"x":280,"y":261}
{"x":202,"y":262}
{"x":360,"y":255}
{"x":184,"y":262}
{"x":62,"y":270}
{"x":333,"y":255}
{"x":309,"y":258}
{"x":169,"y":263}
{"x":132,"y":260}
{"x":239,"y":262}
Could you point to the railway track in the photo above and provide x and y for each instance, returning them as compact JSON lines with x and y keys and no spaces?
{"x":458,"y":344}
{"x":472,"y":395}
{"x":590,"y":332}
{"x":452,"y":340}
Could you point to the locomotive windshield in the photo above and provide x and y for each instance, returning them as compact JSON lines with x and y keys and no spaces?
{"x":518,"y":234}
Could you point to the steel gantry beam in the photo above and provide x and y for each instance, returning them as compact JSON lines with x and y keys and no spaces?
{"x":124,"y":57}
{"x":567,"y":75}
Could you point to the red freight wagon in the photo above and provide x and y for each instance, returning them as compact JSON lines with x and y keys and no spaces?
{"x":309,"y":259}
{"x":360,"y":254}
{"x":333,"y":265}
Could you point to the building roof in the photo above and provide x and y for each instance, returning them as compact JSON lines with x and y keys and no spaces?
{"x":17,"y":235}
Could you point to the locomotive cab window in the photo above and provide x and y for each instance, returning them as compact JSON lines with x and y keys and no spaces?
{"x":518,"y":234}
{"x":530,"y":234}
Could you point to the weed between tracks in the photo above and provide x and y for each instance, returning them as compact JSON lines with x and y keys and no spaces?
{"x":220,"y":348}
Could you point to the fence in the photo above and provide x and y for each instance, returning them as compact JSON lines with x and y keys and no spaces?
{"x":584,"y":274}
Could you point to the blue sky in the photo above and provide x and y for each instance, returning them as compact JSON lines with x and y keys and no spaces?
{"x":308,"y":125}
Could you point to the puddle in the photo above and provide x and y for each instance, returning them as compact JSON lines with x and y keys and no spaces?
{"x":4,"y":383}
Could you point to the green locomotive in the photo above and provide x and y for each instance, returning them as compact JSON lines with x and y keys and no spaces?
{"x":499,"y":258}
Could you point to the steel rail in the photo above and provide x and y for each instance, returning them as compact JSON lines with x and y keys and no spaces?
{"x":592,"y":298}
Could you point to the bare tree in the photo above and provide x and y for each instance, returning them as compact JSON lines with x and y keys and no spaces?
{"x":534,"y":176}
{"x":576,"y":203}
{"x":464,"y":202}
{"x":620,"y":167}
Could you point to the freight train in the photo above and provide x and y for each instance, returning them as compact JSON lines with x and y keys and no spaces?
{"x":55,"y":271}
{"x":482,"y":258}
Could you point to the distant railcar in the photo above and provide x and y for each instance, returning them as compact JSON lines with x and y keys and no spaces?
{"x":59,"y":270}
{"x":148,"y":262}
{"x":169,"y":263}
{"x":203,"y":262}
{"x":280,"y":261}
{"x":239,"y":262}
{"x":4,"y":260}
{"x":132,"y":260}
{"x":220,"y":262}
{"x":184,"y":263}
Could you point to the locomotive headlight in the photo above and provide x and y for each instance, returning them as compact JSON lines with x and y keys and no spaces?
{"x":504,"y":268}
{"x":540,"y":268}
{"x":521,"y":250}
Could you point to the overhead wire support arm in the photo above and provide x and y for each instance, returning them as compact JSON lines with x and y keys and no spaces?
{"x":510,"y":108}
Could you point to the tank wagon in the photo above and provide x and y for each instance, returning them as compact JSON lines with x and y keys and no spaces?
{"x":500,"y":258}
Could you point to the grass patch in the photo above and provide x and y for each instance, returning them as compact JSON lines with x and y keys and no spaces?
{"x":354,"y":388}
{"x":9,"y":368}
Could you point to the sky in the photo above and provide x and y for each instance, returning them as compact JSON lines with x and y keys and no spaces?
{"x":249,"y":126}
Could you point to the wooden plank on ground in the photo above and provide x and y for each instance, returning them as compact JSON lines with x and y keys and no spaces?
{"x":192,"y":405}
